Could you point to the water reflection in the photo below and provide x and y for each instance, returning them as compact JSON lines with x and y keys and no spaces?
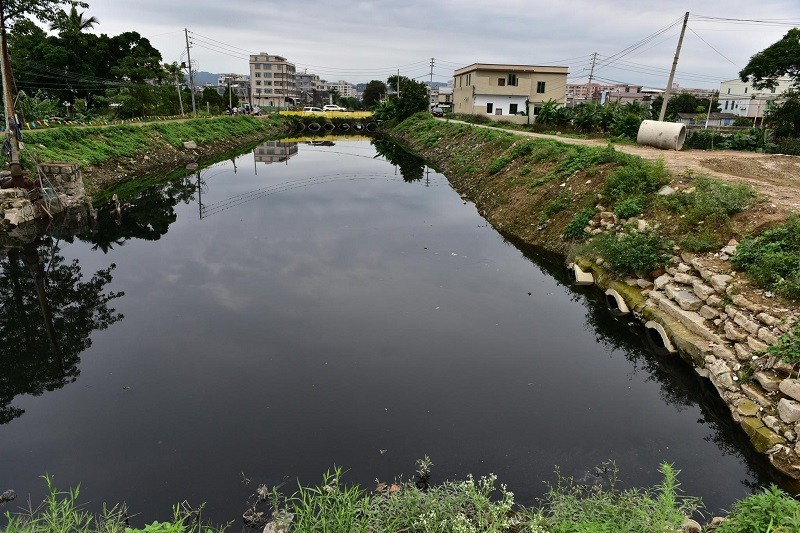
{"x":411,"y":166}
{"x":275,"y":152}
{"x":48,"y":315}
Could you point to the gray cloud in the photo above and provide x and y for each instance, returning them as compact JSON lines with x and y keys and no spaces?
{"x":363,"y":40}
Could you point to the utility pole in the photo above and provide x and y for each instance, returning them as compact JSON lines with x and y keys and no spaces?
{"x":191,"y":76}
{"x":180,"y":98}
{"x":398,"y":84}
{"x":12,"y":128}
{"x":674,"y":67}
{"x":431,"y":72}
{"x":591,"y":76}
{"x":230,"y":95}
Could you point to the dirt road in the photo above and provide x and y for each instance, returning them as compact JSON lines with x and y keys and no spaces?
{"x":777,"y":176}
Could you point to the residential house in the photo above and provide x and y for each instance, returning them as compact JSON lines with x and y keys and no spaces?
{"x":238,"y":83}
{"x":272,"y":81}
{"x":513,"y":93}
{"x":743,"y":100}
{"x":445,"y":98}
{"x":714,"y":119}
{"x":274,"y":152}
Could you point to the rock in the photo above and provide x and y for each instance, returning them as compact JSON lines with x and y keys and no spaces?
{"x":723,"y":353}
{"x":751,"y":326}
{"x":642,"y":225}
{"x":714,"y":300}
{"x":8,"y":496}
{"x":761,"y":436}
{"x":662,"y":281}
{"x":772,"y":423}
{"x":721,"y":376}
{"x":748,"y":408}
{"x":703,"y":291}
{"x":757,"y":394}
{"x":768,"y":380}
{"x":756,"y":345}
{"x":733,"y":333}
{"x":790,"y":387}
{"x":789,"y":410}
{"x":691,"y":526}
{"x":769,"y":320}
{"x":720,"y":282}
{"x":741,"y":301}
{"x":190,"y":145}
{"x":682,"y":277}
{"x":729,"y":250}
{"x":666,"y":190}
{"x":767,"y":336}
{"x":644,"y":284}
{"x":708,"y":313}
{"x":742,"y":353}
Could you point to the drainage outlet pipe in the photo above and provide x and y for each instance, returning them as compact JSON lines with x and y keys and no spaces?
{"x":329,"y":126}
{"x":664,"y":135}
{"x":578,"y":276}
{"x":358,"y":126}
{"x":658,"y":336}
{"x":616,"y":302}
{"x":371,"y":127}
{"x":344,"y":126}
{"x":314,"y":127}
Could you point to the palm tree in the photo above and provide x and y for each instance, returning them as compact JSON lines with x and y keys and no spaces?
{"x":73,"y":22}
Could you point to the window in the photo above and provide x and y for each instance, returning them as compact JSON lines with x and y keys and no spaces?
{"x":498,"y":111}
{"x":501,"y":81}
{"x":729,"y":90}
{"x":726,"y":104}
{"x":539,"y":86}
{"x":489,"y":107}
{"x":258,"y":82}
{"x":257,"y":66}
{"x":469,"y":79}
{"x":536,"y":110}
{"x":512,"y":79}
{"x":258,"y":74}
{"x":772,"y":89}
{"x":512,"y":109}
{"x":745,"y":90}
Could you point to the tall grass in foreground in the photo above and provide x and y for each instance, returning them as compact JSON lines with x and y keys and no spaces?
{"x":466,"y":506}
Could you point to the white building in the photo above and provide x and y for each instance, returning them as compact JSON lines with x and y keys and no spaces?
{"x":743,"y":100}
{"x":345,"y":88}
{"x":272,"y":81}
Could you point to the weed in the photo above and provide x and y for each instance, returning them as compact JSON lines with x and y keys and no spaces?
{"x":630,"y":206}
{"x":629,"y":253}
{"x":331,"y":506}
{"x":788,"y":347}
{"x":557,"y":204}
{"x":771,"y":511}
{"x":636,"y":178}
{"x":576,"y":227}
{"x":772,"y":259}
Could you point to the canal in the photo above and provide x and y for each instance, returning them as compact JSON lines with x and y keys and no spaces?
{"x":313,"y":304}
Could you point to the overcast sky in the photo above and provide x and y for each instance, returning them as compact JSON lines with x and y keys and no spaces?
{"x":363,"y":40}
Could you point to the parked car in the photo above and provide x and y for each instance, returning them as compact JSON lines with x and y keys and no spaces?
{"x":437,"y":111}
{"x":331,"y":107}
{"x":311,"y":109}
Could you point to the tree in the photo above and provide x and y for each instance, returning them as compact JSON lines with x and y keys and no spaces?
{"x":351,"y":102}
{"x":335,"y":95}
{"x":374,"y":92}
{"x":72,"y":22}
{"x":684,"y":103}
{"x":785,"y":116}
{"x":211,"y":99}
{"x":229,"y":97}
{"x":779,"y":59}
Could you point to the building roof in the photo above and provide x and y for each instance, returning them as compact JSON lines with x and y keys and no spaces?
{"x":495,"y":67}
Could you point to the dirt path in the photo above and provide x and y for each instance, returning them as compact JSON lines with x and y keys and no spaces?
{"x":777,"y":176}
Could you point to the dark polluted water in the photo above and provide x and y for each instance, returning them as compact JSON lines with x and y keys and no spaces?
{"x":310,"y":305}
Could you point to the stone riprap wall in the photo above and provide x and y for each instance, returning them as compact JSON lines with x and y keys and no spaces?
{"x":19,"y":207}
{"x":722,"y":327}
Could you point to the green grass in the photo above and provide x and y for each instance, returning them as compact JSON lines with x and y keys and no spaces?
{"x":772,"y":259}
{"x":576,"y":227}
{"x":95,"y":145}
{"x":628,"y":253}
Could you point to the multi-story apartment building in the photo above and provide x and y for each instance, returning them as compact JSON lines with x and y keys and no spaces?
{"x":743,"y":100}
{"x":272,"y":81}
{"x":239,"y":84}
{"x":508,"y":92}
{"x":578,"y":93}
{"x":345,"y":88}
{"x":275,"y":152}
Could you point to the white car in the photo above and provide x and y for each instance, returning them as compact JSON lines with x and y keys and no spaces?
{"x":331,"y":107}
{"x":311,"y":109}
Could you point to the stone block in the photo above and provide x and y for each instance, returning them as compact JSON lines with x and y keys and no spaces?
{"x":702,"y":290}
{"x":789,"y":410}
{"x":720,"y":282}
{"x":761,"y":436}
{"x":709,"y":313}
{"x":190,"y":145}
{"x":768,"y":380}
{"x":748,"y":408}
{"x":721,"y":376}
{"x":733,"y":333}
{"x":790,"y":387}
{"x":768,"y":319}
{"x":723,"y":353}
{"x":756,"y":345}
{"x":716,"y":301}
{"x":741,"y":301}
{"x":662,"y":281}
{"x":757,"y":394}
{"x":742,"y":352}
{"x":750,"y":325}
{"x":767,"y":336}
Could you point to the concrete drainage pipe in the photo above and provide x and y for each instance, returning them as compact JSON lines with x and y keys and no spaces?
{"x":616,"y":303}
{"x":578,"y":276}
{"x":664,"y":135}
{"x":658,"y":337}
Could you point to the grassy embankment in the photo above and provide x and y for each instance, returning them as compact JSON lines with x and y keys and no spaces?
{"x":546,"y":193}
{"x":478,"y":506}
{"x":113,"y":154}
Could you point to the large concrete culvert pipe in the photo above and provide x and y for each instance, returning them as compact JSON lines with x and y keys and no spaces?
{"x":664,"y":135}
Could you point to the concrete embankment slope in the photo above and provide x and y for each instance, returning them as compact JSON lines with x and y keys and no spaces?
{"x":556,"y":196}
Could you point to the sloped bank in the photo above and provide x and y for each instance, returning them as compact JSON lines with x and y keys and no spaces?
{"x":690,"y":299}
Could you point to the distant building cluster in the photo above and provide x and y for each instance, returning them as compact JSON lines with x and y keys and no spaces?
{"x":509,"y":92}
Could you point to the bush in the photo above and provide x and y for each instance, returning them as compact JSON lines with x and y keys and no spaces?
{"x":772,"y":510}
{"x":575,"y":229}
{"x":629,"y":207}
{"x":636,"y":178}
{"x":629,"y":253}
{"x":772,"y":259}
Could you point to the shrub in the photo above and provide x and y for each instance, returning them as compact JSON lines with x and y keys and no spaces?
{"x":630,"y":206}
{"x":630,"y":253}
{"x":788,"y":347}
{"x":772,"y":510}
{"x":575,"y":228}
{"x":636,"y":178}
{"x":772,"y":259}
